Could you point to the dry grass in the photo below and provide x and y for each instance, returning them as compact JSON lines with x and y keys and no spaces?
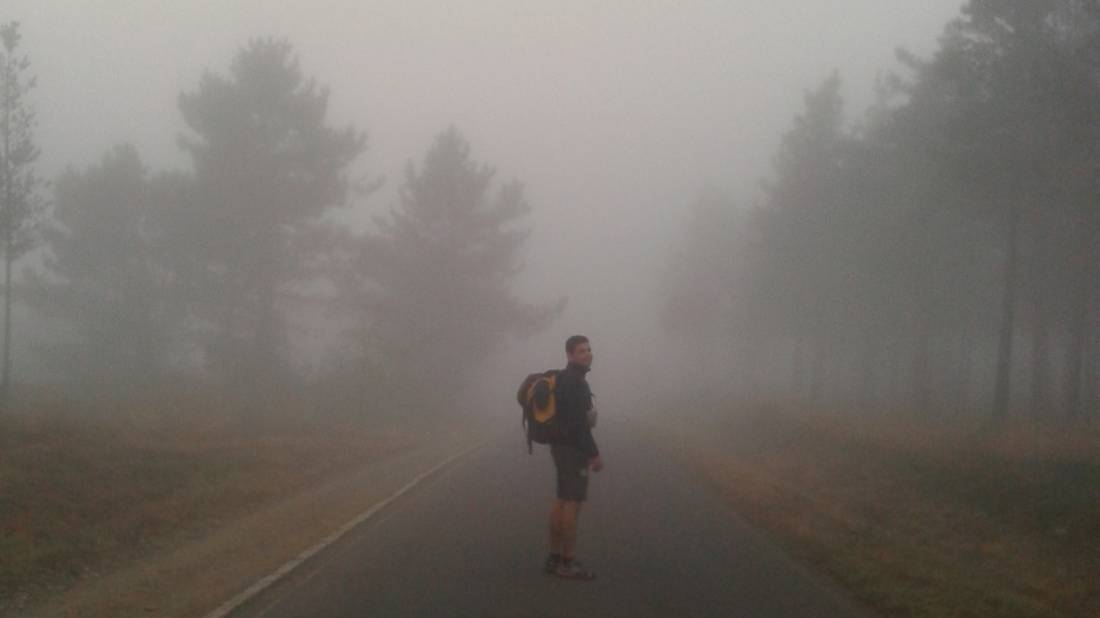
{"x":920,"y":518}
{"x":86,"y":488}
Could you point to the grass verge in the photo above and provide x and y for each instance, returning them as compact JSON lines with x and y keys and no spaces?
{"x":918,"y":518}
{"x":91,"y":489}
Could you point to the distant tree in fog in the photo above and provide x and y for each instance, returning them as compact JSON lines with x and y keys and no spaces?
{"x":1017,"y":91}
{"x":801,"y":223}
{"x":699,"y":282}
{"x":267,"y":167}
{"x":959,"y":219}
{"x":105,"y":270}
{"x":434,"y":281}
{"x":20,"y":203}
{"x":924,"y":263}
{"x":707,"y":288}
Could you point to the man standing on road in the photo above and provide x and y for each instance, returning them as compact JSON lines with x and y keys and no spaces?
{"x":574,"y":453}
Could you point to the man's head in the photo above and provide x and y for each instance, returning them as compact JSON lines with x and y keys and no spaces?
{"x":578,"y":350}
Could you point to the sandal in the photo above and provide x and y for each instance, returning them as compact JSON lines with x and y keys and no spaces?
{"x":573,"y":570}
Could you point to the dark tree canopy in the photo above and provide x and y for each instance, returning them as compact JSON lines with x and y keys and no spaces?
{"x":267,"y":168}
{"x":20,"y":202}
{"x":105,"y":273}
{"x":910,"y":260}
{"x":436,"y":277}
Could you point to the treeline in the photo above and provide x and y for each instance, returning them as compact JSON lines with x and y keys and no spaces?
{"x":213,"y":272}
{"x":943,"y":257}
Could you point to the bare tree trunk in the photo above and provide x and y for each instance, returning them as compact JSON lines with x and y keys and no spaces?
{"x":895,"y":375}
{"x":868,"y":369}
{"x":1075,"y":351}
{"x":817,"y":380}
{"x":7,"y":216}
{"x":799,"y":370}
{"x":921,"y":362}
{"x":263,"y":343}
{"x":747,"y":366}
{"x":963,"y":370}
{"x":1040,"y":351}
{"x":1003,"y":384}
{"x":223,"y":346}
{"x":1083,"y":271}
{"x":5,"y":385}
{"x":1040,"y":333}
{"x":1075,"y":354}
{"x":1091,"y":369}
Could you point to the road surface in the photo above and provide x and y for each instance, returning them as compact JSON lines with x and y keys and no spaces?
{"x":470,"y":541}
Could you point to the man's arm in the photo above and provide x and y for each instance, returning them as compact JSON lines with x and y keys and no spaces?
{"x":573,"y":401}
{"x":587,"y":442}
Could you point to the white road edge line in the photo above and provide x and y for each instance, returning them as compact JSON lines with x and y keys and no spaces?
{"x":262,"y":584}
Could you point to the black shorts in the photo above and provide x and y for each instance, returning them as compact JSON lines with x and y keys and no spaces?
{"x":572,"y":467}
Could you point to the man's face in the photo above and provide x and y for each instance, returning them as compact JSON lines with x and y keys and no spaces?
{"x":581,"y":355}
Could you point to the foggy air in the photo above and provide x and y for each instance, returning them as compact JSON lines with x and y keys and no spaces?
{"x":274,"y":272}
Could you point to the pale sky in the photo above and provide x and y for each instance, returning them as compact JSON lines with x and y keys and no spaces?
{"x":614,"y":113}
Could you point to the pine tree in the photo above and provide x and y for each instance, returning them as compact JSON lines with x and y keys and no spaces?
{"x":20,"y":202}
{"x":105,"y":272}
{"x":267,"y":168}
{"x":435,"y":279}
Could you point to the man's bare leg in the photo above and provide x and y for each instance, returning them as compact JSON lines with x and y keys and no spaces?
{"x":555,"y":528}
{"x":568,"y":527}
{"x":564,"y":537}
{"x":563,"y":527}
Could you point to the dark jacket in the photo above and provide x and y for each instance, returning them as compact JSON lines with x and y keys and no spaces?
{"x":573,"y":400}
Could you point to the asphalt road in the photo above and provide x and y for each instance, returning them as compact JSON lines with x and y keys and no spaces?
{"x":471,"y":541}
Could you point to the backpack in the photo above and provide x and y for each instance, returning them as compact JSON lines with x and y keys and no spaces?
{"x":536,"y":397}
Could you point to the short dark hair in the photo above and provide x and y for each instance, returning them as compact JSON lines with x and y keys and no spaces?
{"x":574,"y":341}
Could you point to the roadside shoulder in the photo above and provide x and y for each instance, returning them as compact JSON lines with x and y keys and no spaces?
{"x":196,"y":577}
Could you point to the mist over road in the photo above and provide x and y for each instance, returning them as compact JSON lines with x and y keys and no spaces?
{"x":471,"y":540}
